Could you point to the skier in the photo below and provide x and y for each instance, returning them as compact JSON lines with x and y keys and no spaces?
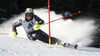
{"x":32,"y":29}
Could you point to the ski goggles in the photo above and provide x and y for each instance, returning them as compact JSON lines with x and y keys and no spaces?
{"x":29,"y":14}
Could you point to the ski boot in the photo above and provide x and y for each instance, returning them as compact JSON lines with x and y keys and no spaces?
{"x":76,"y":46}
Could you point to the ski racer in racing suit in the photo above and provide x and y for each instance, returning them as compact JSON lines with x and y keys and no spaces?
{"x":32,"y":29}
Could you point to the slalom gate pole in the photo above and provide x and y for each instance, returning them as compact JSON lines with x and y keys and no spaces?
{"x":49,"y":22}
{"x":62,"y":17}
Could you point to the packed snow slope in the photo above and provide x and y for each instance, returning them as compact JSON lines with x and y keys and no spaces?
{"x":78,"y":31}
{"x":10,"y":46}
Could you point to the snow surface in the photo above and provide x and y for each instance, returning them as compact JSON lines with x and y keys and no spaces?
{"x":10,"y":46}
{"x":78,"y":31}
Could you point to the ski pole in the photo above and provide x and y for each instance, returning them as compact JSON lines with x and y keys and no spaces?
{"x":63,"y":17}
{"x":5,"y":33}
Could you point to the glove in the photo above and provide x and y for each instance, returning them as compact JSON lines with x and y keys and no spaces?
{"x":37,"y":27}
{"x":14,"y":34}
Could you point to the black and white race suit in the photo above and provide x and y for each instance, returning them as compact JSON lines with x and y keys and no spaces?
{"x":31,"y":33}
{"x":28,"y":26}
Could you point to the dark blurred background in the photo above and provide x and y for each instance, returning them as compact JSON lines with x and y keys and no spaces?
{"x":88,"y":8}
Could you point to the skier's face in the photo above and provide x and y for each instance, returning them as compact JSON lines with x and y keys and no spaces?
{"x":29,"y":18}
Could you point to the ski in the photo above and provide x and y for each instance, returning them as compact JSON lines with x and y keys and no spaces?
{"x":68,"y":45}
